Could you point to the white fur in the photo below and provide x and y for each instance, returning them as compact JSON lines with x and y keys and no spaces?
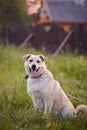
{"x":45,"y":92}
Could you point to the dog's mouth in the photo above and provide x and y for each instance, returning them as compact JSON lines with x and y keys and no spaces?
{"x":34,"y":72}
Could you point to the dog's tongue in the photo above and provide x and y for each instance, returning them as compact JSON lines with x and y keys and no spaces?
{"x":33,"y":72}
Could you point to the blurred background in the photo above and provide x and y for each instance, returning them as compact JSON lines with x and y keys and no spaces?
{"x":48,"y":27}
{"x":53,"y":25}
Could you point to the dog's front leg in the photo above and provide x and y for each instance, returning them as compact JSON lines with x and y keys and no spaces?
{"x":38,"y":104}
{"x":34,"y":103}
{"x":48,"y":104}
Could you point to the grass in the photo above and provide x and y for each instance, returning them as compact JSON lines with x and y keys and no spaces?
{"x":16,"y":110}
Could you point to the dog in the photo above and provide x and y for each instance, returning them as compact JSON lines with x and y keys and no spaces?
{"x":45,"y":92}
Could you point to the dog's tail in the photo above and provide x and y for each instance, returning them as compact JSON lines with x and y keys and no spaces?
{"x":78,"y":110}
{"x":81,"y":109}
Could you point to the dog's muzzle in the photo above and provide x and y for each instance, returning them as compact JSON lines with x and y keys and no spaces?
{"x":33,"y":67}
{"x":34,"y":70}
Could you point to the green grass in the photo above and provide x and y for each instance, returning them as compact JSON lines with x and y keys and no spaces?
{"x":16,"y":109}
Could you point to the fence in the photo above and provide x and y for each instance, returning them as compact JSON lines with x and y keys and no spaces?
{"x":49,"y":40}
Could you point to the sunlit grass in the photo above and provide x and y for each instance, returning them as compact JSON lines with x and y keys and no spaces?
{"x":16,"y":110}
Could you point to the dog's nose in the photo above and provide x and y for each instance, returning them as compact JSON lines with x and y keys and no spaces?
{"x":33,"y":67}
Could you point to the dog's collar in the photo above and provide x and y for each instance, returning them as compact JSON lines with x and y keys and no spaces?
{"x":27,"y":76}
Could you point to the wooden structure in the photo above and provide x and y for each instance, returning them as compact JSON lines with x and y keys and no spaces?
{"x":64,"y":13}
{"x":67,"y":20}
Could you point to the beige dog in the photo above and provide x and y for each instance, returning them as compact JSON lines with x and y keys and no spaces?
{"x":45,"y":92}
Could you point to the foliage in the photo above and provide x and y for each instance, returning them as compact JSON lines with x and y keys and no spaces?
{"x":13,"y":12}
{"x":16,"y":110}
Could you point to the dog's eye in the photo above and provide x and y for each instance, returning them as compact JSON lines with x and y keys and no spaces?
{"x":38,"y":61}
{"x":31,"y":60}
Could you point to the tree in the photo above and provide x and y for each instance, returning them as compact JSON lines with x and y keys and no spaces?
{"x":13,"y":12}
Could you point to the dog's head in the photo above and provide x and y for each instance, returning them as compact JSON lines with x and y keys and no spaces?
{"x":34,"y":64}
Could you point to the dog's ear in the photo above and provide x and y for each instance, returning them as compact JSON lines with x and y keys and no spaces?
{"x":26,"y":56}
{"x":43,"y":58}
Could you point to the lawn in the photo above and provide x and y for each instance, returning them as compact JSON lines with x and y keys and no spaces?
{"x":16,"y":110}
